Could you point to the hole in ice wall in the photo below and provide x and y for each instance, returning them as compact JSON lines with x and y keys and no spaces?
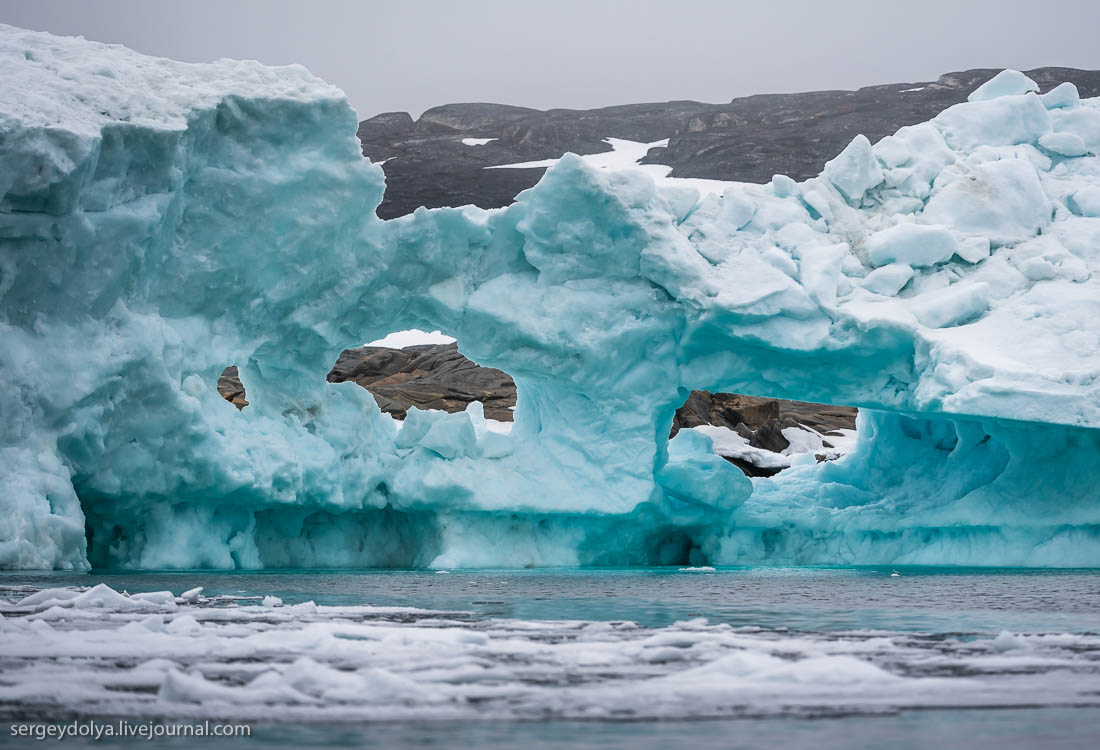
{"x":410,"y":368}
{"x":762,"y":436}
{"x":674,"y":546}
{"x":231,"y":388}
{"x":425,"y":370}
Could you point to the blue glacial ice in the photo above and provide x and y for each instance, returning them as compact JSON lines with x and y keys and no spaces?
{"x":160,"y":220}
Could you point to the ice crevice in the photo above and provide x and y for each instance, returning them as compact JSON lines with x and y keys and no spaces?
{"x":165,"y":219}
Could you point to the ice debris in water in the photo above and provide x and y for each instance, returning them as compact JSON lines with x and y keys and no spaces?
{"x":1008,"y":641}
{"x":192,"y":595}
{"x":359,"y":662}
{"x":161,"y":220}
{"x":100,"y":596}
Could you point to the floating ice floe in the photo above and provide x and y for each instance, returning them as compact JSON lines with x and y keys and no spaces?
{"x":305,"y":662}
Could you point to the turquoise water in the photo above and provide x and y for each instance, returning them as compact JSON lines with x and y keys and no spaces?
{"x":1048,"y":729}
{"x":955,"y":677}
{"x":815,"y":599}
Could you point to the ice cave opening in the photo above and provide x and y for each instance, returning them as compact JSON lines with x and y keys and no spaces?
{"x":764,"y":436}
{"x":426,"y":388}
{"x":231,"y":388}
{"x":414,"y":369}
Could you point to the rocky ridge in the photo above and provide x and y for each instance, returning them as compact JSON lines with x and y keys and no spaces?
{"x":429,"y":376}
{"x":748,"y":139}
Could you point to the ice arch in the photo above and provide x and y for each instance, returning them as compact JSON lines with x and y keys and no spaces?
{"x":942,"y":279}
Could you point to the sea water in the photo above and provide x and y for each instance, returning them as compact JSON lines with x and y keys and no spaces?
{"x":738,"y":657}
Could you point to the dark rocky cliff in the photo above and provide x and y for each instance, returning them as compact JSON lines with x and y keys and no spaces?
{"x":431,"y":376}
{"x":749,"y":139}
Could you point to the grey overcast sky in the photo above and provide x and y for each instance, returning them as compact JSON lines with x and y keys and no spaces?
{"x":414,"y":54}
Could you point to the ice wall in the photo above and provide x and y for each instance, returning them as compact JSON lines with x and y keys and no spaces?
{"x":160,"y":220}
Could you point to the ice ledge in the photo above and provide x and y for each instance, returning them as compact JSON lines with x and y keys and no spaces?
{"x":76,"y":85}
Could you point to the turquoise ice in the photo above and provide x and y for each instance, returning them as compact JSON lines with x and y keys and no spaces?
{"x":161,"y":220}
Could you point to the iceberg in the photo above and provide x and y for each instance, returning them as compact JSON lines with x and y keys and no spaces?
{"x":161,"y":220}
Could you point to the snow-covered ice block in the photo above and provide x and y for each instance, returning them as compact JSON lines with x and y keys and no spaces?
{"x":1005,"y":83}
{"x":191,"y":595}
{"x":1062,"y":95}
{"x":47,"y":598}
{"x":889,"y":279}
{"x":737,"y":209}
{"x":821,"y":272}
{"x":1005,"y":121}
{"x":1002,"y":200}
{"x":682,"y":199}
{"x":952,"y":306}
{"x":973,"y":249}
{"x":1064,"y":144}
{"x":855,"y":170}
{"x":1086,"y":201}
{"x":159,"y":598}
{"x":912,"y":244}
{"x":783,"y":186}
{"x":1083,"y":122}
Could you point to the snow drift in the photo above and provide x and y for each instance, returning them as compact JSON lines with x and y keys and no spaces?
{"x":161,"y":220}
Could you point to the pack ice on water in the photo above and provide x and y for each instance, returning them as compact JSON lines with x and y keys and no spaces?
{"x":98,"y":652}
{"x":160,"y":220}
